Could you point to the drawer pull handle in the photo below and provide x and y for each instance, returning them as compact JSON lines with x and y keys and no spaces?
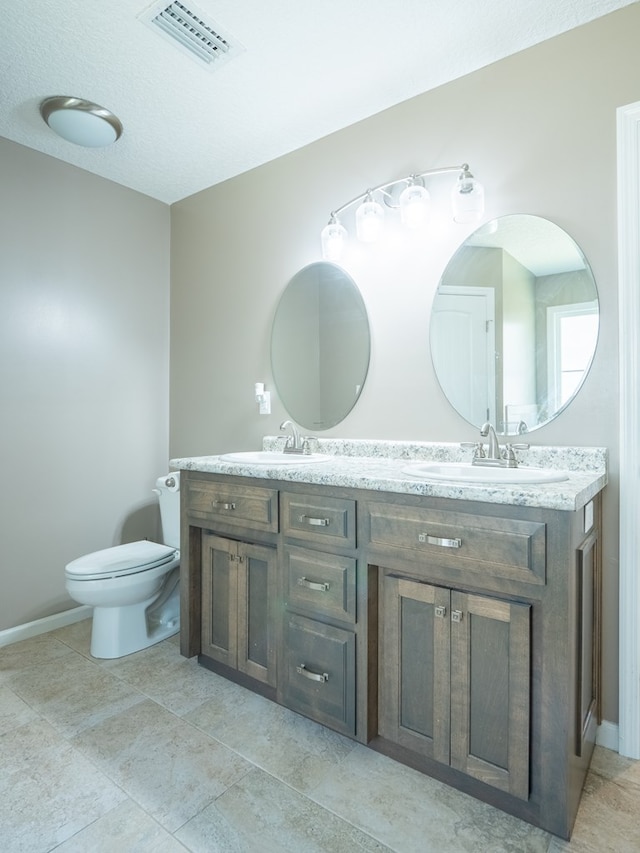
{"x":224,"y":505}
{"x":319,"y":587}
{"x":315,"y":522}
{"x":456,"y":615}
{"x":438,"y":540}
{"x":312,"y":676}
{"x":441,"y":611}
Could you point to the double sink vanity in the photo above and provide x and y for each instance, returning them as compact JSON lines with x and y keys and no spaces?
{"x":445,"y":614}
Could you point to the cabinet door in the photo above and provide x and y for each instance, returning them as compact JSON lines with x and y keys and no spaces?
{"x":414,"y":683}
{"x":238,"y":583}
{"x":490,"y":695}
{"x":256,"y":590}
{"x":219,"y":599}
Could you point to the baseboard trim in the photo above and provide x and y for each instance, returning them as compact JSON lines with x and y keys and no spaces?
{"x":607,"y":735}
{"x":41,"y":626}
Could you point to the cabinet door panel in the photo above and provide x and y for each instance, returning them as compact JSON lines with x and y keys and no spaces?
{"x":490,"y":666}
{"x":414,"y":687}
{"x":219,"y":599}
{"x":256,"y":578}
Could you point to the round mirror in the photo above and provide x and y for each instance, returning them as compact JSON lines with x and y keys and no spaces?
{"x":320,"y":346}
{"x":514,"y":324}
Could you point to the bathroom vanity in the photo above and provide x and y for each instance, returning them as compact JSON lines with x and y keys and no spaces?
{"x":454,"y":627}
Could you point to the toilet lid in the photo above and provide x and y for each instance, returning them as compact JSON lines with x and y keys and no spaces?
{"x":121,"y":560}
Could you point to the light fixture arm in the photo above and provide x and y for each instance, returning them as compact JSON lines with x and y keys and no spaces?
{"x":409,"y":179}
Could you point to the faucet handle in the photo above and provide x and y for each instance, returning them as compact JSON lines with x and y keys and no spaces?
{"x":476,"y":446}
{"x":509,"y":454}
{"x":306,"y":446}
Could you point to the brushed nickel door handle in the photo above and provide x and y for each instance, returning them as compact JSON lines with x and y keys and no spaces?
{"x":312,"y":676}
{"x":318,"y":587}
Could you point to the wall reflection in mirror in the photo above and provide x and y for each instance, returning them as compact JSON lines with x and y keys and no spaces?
{"x":514,"y":324}
{"x":320,"y":346}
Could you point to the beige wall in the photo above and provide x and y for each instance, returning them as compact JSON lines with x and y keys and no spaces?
{"x":84,"y":364}
{"x":538,"y":129}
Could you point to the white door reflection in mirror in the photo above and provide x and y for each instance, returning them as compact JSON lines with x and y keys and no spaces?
{"x":463,"y":349}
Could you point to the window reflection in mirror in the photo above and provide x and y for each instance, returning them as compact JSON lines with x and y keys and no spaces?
{"x":514,"y":324}
{"x":320,"y":346}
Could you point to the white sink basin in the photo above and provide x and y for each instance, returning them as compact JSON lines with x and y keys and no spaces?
{"x":272,"y":457}
{"x":467,"y":473}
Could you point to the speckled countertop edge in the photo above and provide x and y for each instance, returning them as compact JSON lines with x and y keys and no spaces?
{"x":378,"y":466}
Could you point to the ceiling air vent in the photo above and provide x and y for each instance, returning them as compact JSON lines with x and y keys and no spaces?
{"x":189,"y":29}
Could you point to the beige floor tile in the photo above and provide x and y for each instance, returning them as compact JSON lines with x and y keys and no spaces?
{"x":613,"y":766}
{"x":161,"y":673}
{"x":73,"y":693}
{"x":259,"y":813}
{"x":77,"y":636}
{"x":607,"y":821}
{"x":290,"y":747}
{"x":413,"y":813}
{"x":18,"y":657}
{"x":126,"y":828}
{"x":13,"y":711}
{"x":48,"y":791}
{"x":167,"y":766}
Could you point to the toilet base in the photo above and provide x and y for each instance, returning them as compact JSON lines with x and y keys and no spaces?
{"x":120,"y":631}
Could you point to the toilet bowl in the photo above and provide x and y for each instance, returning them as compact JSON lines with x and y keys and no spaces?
{"x":134,"y":589}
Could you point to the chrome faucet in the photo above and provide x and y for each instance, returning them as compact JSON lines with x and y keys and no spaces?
{"x":493,"y":451}
{"x":293,"y":443}
{"x":494,"y":456}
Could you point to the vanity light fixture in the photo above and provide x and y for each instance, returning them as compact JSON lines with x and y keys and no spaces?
{"x":467,"y":198}
{"x":81,"y":122}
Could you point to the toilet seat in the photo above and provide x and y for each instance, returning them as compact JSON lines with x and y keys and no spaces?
{"x":121,"y":560}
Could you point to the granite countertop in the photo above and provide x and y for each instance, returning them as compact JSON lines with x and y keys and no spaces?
{"x":379,"y":466}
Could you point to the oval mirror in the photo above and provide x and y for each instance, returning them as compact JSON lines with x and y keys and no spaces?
{"x":514,"y":324}
{"x":320,"y":346}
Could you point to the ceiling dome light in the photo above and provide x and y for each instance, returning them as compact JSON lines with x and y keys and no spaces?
{"x":80,"y":121}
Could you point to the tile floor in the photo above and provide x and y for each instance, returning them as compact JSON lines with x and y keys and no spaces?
{"x":153,"y":753}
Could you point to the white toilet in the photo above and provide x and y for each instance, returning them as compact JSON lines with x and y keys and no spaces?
{"x":134,"y":589}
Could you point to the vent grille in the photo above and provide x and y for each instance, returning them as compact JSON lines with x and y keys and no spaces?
{"x":187,"y":27}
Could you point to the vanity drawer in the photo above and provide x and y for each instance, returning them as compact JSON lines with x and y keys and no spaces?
{"x":322,"y":584}
{"x":502,"y":547}
{"x":322,"y":520}
{"x":319,"y":672}
{"x":233,"y":504}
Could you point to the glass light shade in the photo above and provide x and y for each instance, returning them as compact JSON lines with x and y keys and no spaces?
{"x":467,"y":199}
{"x":414,"y":206}
{"x":81,"y":122}
{"x":369,"y":220}
{"x":333,"y":238}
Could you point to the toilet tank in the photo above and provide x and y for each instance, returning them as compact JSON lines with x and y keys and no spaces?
{"x":168,"y":491}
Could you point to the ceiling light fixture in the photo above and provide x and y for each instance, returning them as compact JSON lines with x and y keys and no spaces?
{"x":80,"y":121}
{"x":467,"y":199}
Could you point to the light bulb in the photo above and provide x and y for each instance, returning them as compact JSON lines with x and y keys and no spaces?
{"x":369,"y":220}
{"x":333,"y":238}
{"x":467,"y":198}
{"x":414,"y":206}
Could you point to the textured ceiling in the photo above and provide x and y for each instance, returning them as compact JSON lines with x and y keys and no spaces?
{"x":307,"y":69}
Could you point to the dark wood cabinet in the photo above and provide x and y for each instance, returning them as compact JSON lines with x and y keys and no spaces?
{"x":455,"y":682}
{"x":238,"y":618}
